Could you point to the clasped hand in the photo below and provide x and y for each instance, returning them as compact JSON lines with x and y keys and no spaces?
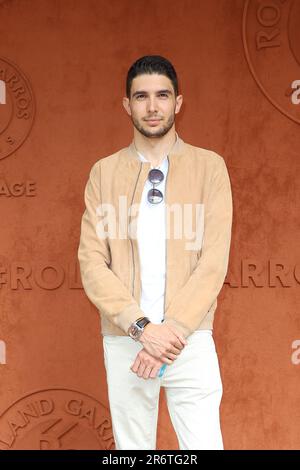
{"x":162,"y":345}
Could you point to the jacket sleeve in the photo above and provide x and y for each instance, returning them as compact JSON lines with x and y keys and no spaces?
{"x":104,"y":289}
{"x":192,"y":302}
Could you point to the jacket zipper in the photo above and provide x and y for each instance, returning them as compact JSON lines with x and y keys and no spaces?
{"x":166,"y":245}
{"x":132,"y":251}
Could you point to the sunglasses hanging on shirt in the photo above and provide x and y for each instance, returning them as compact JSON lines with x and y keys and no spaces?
{"x":155,"y":176}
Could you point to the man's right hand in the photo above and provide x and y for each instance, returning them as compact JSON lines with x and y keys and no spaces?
{"x":163,"y":342}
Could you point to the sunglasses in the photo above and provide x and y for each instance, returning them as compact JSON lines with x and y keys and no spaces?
{"x":155,"y":196}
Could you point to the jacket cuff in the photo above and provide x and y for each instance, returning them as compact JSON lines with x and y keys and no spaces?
{"x":128,"y":316}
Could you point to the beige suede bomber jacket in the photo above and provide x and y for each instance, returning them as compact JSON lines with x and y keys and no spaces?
{"x":199,"y":205}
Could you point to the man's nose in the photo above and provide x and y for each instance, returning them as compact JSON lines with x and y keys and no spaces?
{"x":152,"y":104}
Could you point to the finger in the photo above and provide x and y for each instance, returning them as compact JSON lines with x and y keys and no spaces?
{"x":181,"y":343}
{"x":154,"y":372}
{"x":182,"y":339}
{"x":147,"y":372}
{"x":176,"y":349}
{"x":135,"y":365}
{"x":176,"y":345}
{"x":179,"y":336}
{"x":166,"y":360}
{"x":177,"y":352}
{"x":141,"y":370}
{"x":171,"y":356}
{"x":173,"y":351}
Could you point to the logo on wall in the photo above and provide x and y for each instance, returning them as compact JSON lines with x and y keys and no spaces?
{"x":17,"y":108}
{"x":271,"y":37}
{"x":56,"y":419}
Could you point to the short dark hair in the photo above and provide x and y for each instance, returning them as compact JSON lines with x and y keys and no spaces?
{"x":151,"y":64}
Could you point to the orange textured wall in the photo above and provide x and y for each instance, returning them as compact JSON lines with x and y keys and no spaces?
{"x":63,"y":65}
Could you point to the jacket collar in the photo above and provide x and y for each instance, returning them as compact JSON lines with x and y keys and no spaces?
{"x":176,"y":150}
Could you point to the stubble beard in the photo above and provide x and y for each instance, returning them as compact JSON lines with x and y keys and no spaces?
{"x":155,"y":133}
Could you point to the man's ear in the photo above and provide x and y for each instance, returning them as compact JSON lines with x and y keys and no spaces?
{"x":179,"y":101}
{"x":126,"y":105}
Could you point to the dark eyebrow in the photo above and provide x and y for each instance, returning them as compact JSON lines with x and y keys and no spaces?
{"x":140,"y":92}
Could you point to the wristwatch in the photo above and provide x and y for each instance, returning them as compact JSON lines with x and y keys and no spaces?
{"x":136,"y":329}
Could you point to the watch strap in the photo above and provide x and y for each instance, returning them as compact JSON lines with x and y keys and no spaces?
{"x":142,"y":322}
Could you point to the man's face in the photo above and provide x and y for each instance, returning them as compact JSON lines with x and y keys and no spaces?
{"x":152,"y":105}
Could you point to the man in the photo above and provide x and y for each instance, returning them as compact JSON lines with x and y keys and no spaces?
{"x":155,"y":273}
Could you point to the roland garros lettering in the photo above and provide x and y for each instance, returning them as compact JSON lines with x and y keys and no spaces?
{"x":17,"y":107}
{"x":268,"y":15}
{"x":21,"y":98}
{"x":37,"y":409}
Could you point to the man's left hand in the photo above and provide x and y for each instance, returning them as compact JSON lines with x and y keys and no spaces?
{"x":145,"y":365}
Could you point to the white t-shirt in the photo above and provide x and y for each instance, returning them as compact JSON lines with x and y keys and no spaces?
{"x":151,"y":237}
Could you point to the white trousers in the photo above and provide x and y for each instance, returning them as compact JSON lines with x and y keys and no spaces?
{"x":193,"y":389}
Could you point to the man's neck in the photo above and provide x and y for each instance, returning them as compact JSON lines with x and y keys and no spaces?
{"x":155,"y":149}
